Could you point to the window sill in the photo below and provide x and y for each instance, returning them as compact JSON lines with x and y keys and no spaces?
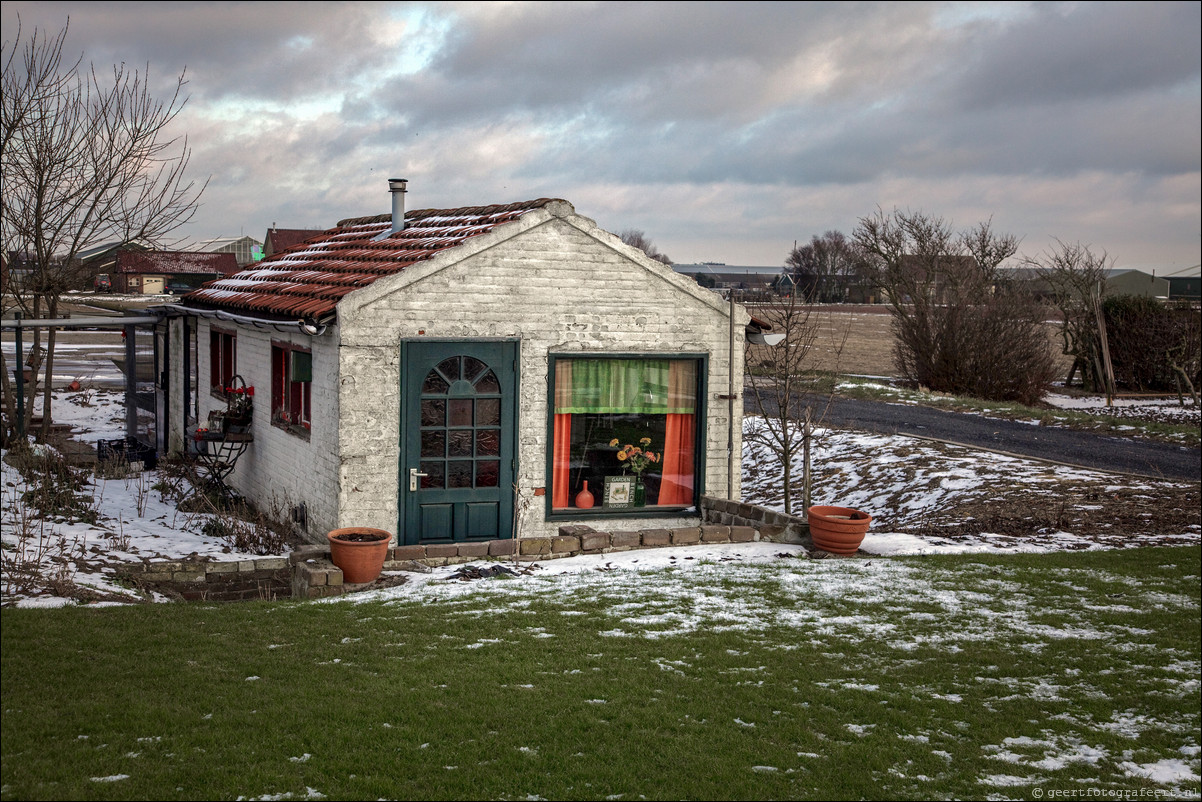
{"x":652,"y":511}
{"x":296,"y":431}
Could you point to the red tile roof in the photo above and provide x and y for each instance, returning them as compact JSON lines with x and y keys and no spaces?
{"x":308,"y":281}
{"x":176,"y":262}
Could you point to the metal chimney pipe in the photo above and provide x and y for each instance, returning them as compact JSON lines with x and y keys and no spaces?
{"x":397,"y":186}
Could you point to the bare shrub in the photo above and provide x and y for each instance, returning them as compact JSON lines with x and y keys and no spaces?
{"x":246,"y":528}
{"x":961,"y":326}
{"x":54,"y":487}
{"x":141,"y":488}
{"x":176,"y":477}
{"x":38,"y":558}
{"x":1153,"y":346}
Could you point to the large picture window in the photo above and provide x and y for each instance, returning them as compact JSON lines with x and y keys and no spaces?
{"x":603,"y":404}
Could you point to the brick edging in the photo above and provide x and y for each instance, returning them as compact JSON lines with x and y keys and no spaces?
{"x":204,"y":580}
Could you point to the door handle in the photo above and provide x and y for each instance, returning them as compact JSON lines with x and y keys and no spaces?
{"x":413,"y":477}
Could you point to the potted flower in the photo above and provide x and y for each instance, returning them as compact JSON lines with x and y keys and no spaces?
{"x":638,"y":459}
{"x":240,"y":404}
{"x":359,"y":551}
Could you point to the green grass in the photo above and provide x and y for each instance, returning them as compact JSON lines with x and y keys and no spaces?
{"x":916,"y":678}
{"x":1179,"y":434}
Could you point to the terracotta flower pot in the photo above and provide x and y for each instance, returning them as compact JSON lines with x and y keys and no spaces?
{"x":360,"y":552}
{"x":839,"y":530}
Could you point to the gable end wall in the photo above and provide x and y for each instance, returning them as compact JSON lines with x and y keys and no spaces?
{"x":557,"y":287}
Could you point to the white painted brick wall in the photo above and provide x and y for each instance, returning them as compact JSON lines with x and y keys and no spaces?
{"x":282,"y":469}
{"x":558,"y":290}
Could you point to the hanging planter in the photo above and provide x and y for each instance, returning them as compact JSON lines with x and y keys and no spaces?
{"x":360,"y":552}
{"x":839,"y":530}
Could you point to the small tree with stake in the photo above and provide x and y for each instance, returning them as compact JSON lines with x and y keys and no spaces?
{"x":783,"y":385}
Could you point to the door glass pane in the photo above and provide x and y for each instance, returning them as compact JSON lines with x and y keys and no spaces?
{"x":488,"y":384}
{"x":488,"y":442}
{"x":459,"y":474}
{"x":434,"y":444}
{"x":434,"y":384}
{"x":488,"y":412}
{"x":434,"y":479}
{"x":472,"y":368}
{"x":449,"y":368}
{"x":461,"y":412}
{"x":488,"y":473}
{"x":461,"y":443}
{"x":434,"y":412}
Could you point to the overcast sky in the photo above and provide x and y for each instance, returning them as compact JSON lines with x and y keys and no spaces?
{"x":724,"y":131}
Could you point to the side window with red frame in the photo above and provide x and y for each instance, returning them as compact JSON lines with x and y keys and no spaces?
{"x":222,"y":356}
{"x":291,"y":382}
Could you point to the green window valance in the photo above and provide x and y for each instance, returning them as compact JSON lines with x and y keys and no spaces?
{"x":625,"y":386}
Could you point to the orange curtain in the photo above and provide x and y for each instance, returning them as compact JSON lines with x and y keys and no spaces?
{"x":676,"y":487}
{"x":560,"y":482}
{"x":561,"y":449}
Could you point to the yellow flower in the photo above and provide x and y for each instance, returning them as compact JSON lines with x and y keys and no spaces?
{"x":646,"y":441}
{"x":621,"y":455}
{"x":613,"y":442}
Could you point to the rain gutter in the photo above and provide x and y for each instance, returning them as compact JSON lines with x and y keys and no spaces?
{"x":313,"y":328}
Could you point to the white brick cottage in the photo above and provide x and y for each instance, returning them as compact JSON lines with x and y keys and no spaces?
{"x":477,"y":365}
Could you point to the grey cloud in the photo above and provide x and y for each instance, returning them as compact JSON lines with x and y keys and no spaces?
{"x":1087,"y":51}
{"x":283,"y":51}
{"x":780,"y":99}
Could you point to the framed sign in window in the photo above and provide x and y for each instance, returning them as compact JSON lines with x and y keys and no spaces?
{"x":619,"y":491}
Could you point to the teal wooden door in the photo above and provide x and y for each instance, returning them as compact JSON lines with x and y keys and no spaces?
{"x":458,"y":429}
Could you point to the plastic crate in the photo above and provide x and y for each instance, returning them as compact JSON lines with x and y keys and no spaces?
{"x":138,"y":455}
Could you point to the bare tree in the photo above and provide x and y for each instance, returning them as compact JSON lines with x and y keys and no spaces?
{"x":823,"y":269}
{"x":789,"y":400}
{"x":1075,"y":280}
{"x":961,"y":326}
{"x":86,"y":160}
{"x":637,"y":239}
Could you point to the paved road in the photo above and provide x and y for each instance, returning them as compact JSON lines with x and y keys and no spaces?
{"x":1086,"y":449}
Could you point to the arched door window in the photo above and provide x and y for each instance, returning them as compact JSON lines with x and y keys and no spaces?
{"x":460,"y":426}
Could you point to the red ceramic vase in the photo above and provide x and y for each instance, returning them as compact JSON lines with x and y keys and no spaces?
{"x":839,"y":530}
{"x":360,"y":552}
{"x":584,"y":499}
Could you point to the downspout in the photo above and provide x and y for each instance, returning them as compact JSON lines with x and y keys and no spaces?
{"x":730,"y":406}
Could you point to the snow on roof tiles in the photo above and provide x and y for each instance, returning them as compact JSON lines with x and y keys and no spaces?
{"x":309,"y":280}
